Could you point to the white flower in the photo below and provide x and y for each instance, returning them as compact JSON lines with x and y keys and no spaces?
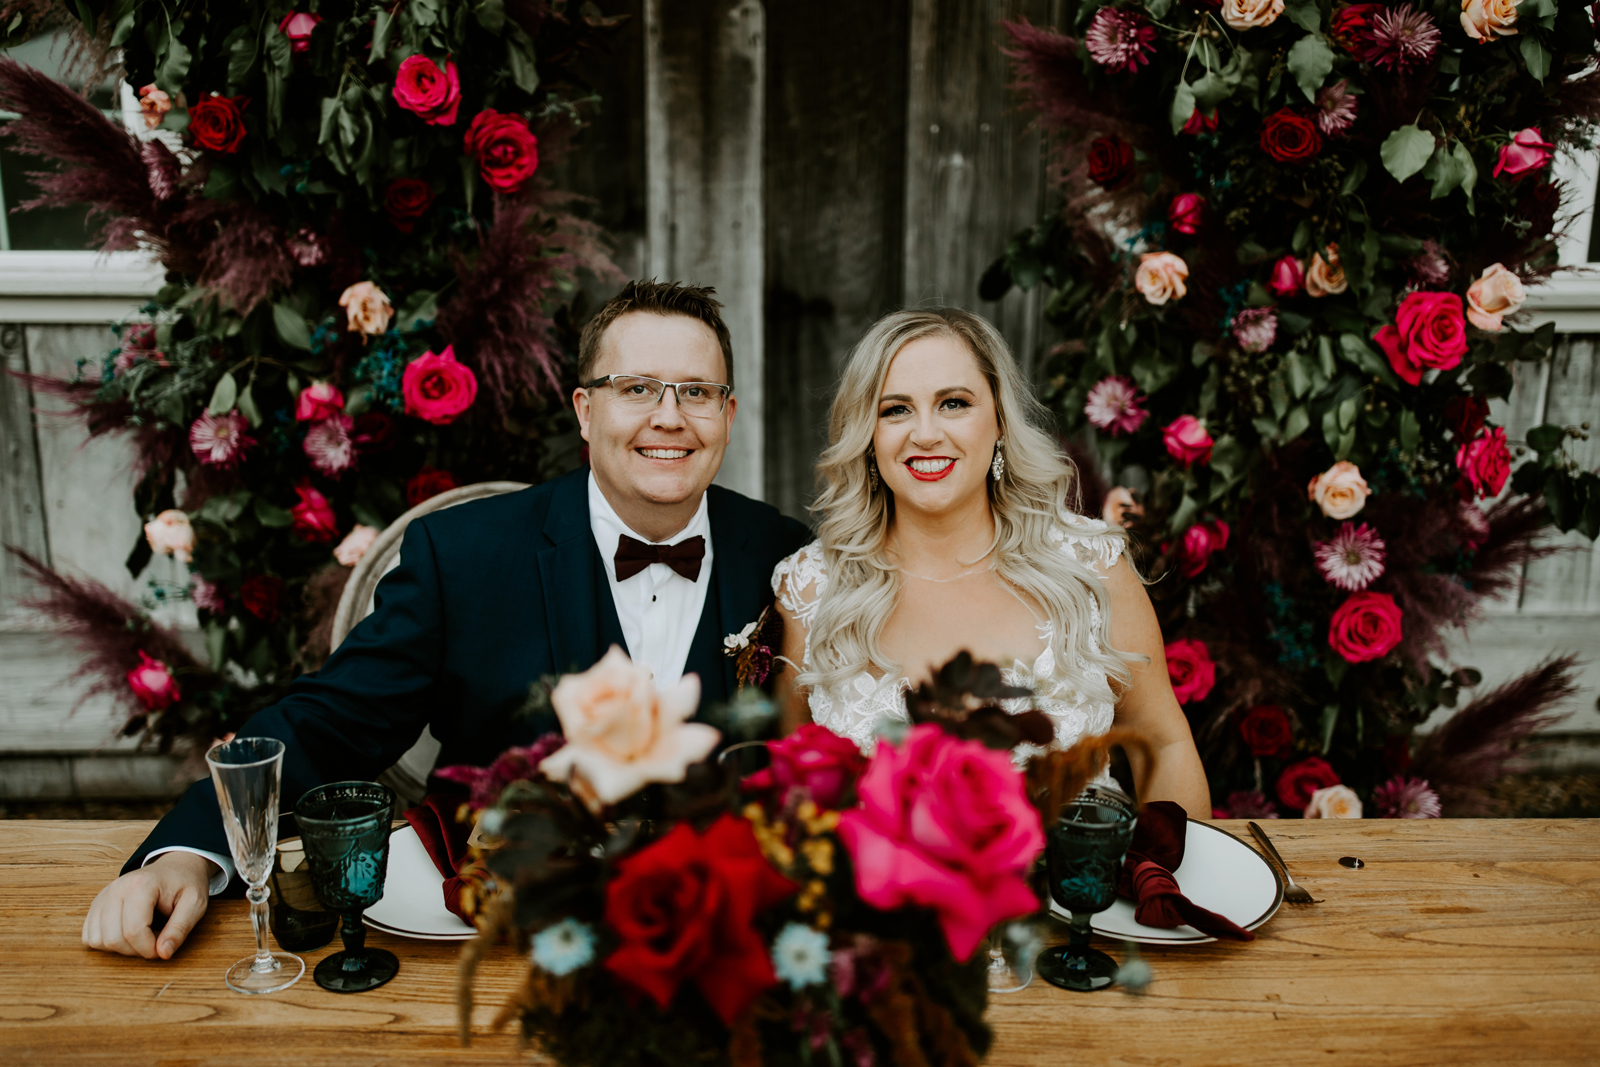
{"x":563,"y":947}
{"x":800,"y":955}
{"x":740,"y":639}
{"x":1334,"y":802}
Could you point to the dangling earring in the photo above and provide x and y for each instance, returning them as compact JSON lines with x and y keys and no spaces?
{"x":872,"y":474}
{"x":998,"y":467}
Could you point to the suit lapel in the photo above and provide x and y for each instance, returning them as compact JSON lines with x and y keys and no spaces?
{"x":736,"y":583}
{"x":567,"y":577}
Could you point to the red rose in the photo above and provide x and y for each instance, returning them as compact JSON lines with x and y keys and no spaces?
{"x":1191,"y":670}
{"x":437,"y":388}
{"x":1485,"y":464}
{"x":1266,"y":729}
{"x":314,"y":520}
{"x":427,"y":484}
{"x":1185,"y":212}
{"x":1290,"y":137}
{"x":373,"y":432}
{"x":1199,"y":122}
{"x":431,"y":94}
{"x":815,"y":759}
{"x":506,"y":150}
{"x":1464,"y":416}
{"x":406,"y":201}
{"x":1365,"y":627}
{"x":260,"y":596}
{"x":683,"y":910}
{"x":1351,"y":29}
{"x":1299,"y":780}
{"x":1110,"y":162}
{"x":1199,"y":542}
{"x":217,"y":122}
{"x":153,"y":684}
{"x":1430,"y":330}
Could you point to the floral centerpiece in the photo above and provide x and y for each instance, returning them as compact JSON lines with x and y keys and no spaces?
{"x":366,"y":302}
{"x":826,"y":909}
{"x":1294,"y":245}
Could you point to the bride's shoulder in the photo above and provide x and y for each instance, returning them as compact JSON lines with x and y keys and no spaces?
{"x":798,"y":580}
{"x":1093,"y":541}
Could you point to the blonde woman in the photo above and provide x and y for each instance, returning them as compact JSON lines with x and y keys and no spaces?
{"x":946,"y":525}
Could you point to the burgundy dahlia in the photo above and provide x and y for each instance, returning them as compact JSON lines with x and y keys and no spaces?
{"x":1120,"y":40}
{"x":1403,"y":38}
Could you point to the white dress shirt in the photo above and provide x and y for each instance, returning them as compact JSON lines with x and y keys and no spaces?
{"x":659,"y":609}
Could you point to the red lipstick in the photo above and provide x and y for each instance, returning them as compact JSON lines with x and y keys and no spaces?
{"x":936,"y":475}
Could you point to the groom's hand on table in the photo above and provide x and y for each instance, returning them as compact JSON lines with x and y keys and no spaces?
{"x":175,"y":883}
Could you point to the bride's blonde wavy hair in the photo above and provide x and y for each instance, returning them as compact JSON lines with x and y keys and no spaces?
{"x":1038,"y":487}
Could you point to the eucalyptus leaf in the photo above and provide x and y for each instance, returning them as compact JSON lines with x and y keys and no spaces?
{"x":381,"y":26}
{"x":1536,"y":56}
{"x":291,"y":326}
{"x":1469,"y":168}
{"x":1296,"y":422}
{"x":1307,"y":14}
{"x":247,"y":406}
{"x":280,"y":50}
{"x":491,"y":14}
{"x":174,"y":66}
{"x":1182,"y":106}
{"x":270,"y":514}
{"x":1410,"y":432}
{"x":1406,"y":151}
{"x":419,"y":307}
{"x":520,"y":57}
{"x":1310,"y":61}
{"x":1183,"y":515}
{"x":224,"y":396}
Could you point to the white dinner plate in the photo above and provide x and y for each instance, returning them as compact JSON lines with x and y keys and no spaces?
{"x":412,"y":904}
{"x":1220,"y":873}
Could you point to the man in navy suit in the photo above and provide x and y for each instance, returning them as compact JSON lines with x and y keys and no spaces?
{"x":638,"y":550}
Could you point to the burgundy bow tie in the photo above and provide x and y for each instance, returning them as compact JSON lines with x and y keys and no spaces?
{"x":684,"y":557}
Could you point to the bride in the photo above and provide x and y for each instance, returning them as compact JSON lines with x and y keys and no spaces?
{"x":946,"y":526}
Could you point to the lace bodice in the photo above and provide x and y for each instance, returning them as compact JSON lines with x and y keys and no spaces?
{"x":1064,"y":691}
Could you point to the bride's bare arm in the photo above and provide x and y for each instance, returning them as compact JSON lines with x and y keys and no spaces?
{"x":1172,"y":771}
{"x":792,"y":708}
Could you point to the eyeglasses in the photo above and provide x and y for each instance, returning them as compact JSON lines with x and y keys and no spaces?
{"x":694,"y":398}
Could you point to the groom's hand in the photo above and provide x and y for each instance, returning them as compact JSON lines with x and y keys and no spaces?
{"x":119,"y":920}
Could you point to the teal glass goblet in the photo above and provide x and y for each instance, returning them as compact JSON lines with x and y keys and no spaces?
{"x":345,"y":830}
{"x":1083,"y":855}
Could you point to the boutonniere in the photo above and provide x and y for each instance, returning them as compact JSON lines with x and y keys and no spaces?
{"x":754,"y":648}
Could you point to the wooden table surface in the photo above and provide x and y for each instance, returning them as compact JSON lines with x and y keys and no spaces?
{"x":1461,"y":942}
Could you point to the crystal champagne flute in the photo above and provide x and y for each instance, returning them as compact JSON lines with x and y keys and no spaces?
{"x":247,"y":772}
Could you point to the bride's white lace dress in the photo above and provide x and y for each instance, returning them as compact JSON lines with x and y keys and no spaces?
{"x":1064,"y":691}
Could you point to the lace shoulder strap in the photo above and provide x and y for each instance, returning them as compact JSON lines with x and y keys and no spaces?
{"x":1093,"y":541}
{"x":798,"y":581}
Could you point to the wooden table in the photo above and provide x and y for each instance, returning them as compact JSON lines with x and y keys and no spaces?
{"x":1461,"y":942}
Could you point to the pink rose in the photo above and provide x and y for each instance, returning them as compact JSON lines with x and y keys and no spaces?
{"x":1527,"y":152}
{"x":319,"y":400}
{"x":170,"y":534}
{"x":1365,"y":627}
{"x":153,"y":684}
{"x":1199,"y":542}
{"x":1288,"y":277}
{"x":1190,"y":669}
{"x":1494,"y":296}
{"x":355,"y":545}
{"x":153,"y":105}
{"x":944,"y":824}
{"x":505,"y":148}
{"x":1429,"y":331}
{"x":1185,"y":212}
{"x":1160,"y":277}
{"x":1485,"y":464}
{"x":1199,"y":122}
{"x":815,"y":759}
{"x":1187,"y":441}
{"x":437,"y":388}
{"x":433,"y":95}
{"x":313,"y":517}
{"x":297,"y":26}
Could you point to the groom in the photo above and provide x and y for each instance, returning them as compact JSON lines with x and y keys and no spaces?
{"x":639,"y":550}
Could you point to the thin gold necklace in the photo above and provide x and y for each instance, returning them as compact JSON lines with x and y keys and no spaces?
{"x":958,"y":577}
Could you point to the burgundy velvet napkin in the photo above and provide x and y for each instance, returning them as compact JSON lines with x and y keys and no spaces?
{"x":446,"y":841}
{"x":1146,"y":879}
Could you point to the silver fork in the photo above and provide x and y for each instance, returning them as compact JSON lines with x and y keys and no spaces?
{"x":1292,"y":893}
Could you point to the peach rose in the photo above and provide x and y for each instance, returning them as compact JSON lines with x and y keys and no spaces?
{"x":1334,"y":802}
{"x":1121,"y":509}
{"x":1492,"y":297}
{"x":1250,"y":14}
{"x":1325,"y":277}
{"x":1160,"y":277}
{"x":367,"y":308}
{"x":170,"y":534}
{"x":1488,"y":19}
{"x":1339,"y":491}
{"x":153,"y":105}
{"x":621,"y":733}
{"x":355,"y":545}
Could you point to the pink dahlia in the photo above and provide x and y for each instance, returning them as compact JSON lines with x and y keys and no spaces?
{"x":1113,"y":406}
{"x":1406,"y":798}
{"x":207,"y":596}
{"x":1120,"y":40}
{"x":1403,"y":38}
{"x":220,"y":440}
{"x":1336,"y":108}
{"x":1255,"y":329}
{"x":329,"y":446}
{"x":1354,"y":558}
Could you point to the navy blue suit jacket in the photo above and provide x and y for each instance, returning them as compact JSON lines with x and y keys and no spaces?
{"x":489,"y":597}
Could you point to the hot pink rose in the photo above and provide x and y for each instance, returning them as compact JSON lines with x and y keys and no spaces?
{"x":153,"y":684}
{"x":1187,"y":441}
{"x":319,"y":400}
{"x":1199,"y":542}
{"x":1190,"y":669}
{"x":815,"y":759}
{"x":1185,"y":212}
{"x":313,"y":517}
{"x":433,"y":95}
{"x":1365,"y":627}
{"x":1288,"y":277}
{"x":1485,"y":464}
{"x":505,"y":148}
{"x":297,"y":26}
{"x":437,"y":388}
{"x":1527,"y":152}
{"x":944,"y":824}
{"x":1429,"y":331}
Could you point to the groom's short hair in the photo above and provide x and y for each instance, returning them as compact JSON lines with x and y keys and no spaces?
{"x":658,"y":298}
